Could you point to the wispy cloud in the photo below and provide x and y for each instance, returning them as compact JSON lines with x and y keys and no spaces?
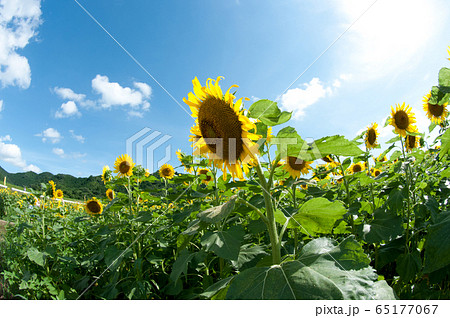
{"x":73,"y":155}
{"x":79,"y":138}
{"x":50,"y":134}
{"x":1,"y":105}
{"x":19,"y":20}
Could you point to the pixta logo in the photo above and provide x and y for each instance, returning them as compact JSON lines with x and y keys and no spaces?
{"x":149,"y":148}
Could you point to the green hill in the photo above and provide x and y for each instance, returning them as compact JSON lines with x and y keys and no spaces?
{"x":73,"y":187}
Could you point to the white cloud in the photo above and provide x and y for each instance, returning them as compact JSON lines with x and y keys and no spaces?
{"x":113,"y":94}
{"x":11,"y":153}
{"x":19,"y":20}
{"x":67,"y":93}
{"x":1,"y":105}
{"x":51,"y":135}
{"x":298,"y":99}
{"x":390,"y":36}
{"x":6,"y":138}
{"x":145,"y":89}
{"x":58,"y":151}
{"x":133,"y":113}
{"x":68,"y":109}
{"x":77,"y":137}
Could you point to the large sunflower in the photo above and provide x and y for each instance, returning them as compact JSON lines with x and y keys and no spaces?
{"x":124,"y":166}
{"x":357,"y":167}
{"x":166,"y":171}
{"x":371,"y":136}
{"x":106,"y":174}
{"x":93,"y":206}
{"x":221,"y":130}
{"x":436,"y":113}
{"x":295,"y":166}
{"x":402,"y":119}
{"x":411,"y":142}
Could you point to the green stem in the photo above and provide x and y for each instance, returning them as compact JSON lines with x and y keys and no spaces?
{"x":407,"y":199}
{"x":272,"y":227}
{"x":262,"y":216}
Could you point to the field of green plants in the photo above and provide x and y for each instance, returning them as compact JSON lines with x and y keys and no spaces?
{"x":253,"y":216}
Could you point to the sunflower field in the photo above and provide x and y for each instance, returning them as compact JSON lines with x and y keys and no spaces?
{"x":253,"y":215}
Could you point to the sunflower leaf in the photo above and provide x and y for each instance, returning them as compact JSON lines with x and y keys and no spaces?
{"x":268,"y":113}
{"x":217,"y":213}
{"x":335,"y":145}
{"x":444,"y":77}
{"x":445,"y":143}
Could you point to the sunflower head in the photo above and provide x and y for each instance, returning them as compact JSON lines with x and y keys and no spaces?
{"x":124,"y":166}
{"x":295,"y":166}
{"x":328,"y":159}
{"x":93,"y":206}
{"x":402,"y":119}
{"x":411,"y":142}
{"x":357,"y":167}
{"x":371,"y":136}
{"x":52,"y":189}
{"x":380,"y":159}
{"x":59,"y":194}
{"x":304,"y":186}
{"x":166,"y":171}
{"x":106,"y":174}
{"x":222,"y":131}
{"x":204,"y":172}
{"x":269,"y":134}
{"x":110,"y":194}
{"x":436,"y":113}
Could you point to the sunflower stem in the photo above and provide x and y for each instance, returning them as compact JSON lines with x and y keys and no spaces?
{"x":407,"y":199}
{"x":371,"y":186}
{"x":261,"y":215}
{"x":271,"y":226}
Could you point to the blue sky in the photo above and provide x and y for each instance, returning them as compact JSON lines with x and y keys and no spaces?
{"x":70,"y":96}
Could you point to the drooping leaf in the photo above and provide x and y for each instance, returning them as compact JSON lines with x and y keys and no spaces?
{"x":445,"y":143}
{"x":225,"y":244}
{"x":248,"y":256}
{"x":408,"y":265}
{"x":216,"y":287}
{"x":181,"y":265}
{"x":217,"y":213}
{"x":437,"y":244}
{"x":35,"y":256}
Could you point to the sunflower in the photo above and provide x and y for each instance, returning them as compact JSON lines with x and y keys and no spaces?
{"x":402,"y":119}
{"x":166,"y":171}
{"x":93,"y":206}
{"x":220,"y":122}
{"x":304,"y":186}
{"x":59,"y":194}
{"x":110,"y":194}
{"x":436,"y":113}
{"x":269,"y":134}
{"x":295,"y":166}
{"x":375,"y":172}
{"x":124,"y":166}
{"x":147,"y":173}
{"x":106,"y":174}
{"x":328,"y":159}
{"x":371,"y":136}
{"x":357,"y":167}
{"x":380,"y":159}
{"x":411,"y":141}
{"x":205,"y":173}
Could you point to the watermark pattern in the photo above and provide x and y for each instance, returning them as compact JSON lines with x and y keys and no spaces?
{"x":145,"y":148}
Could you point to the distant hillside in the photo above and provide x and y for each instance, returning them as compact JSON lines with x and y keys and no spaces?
{"x":76,"y":188}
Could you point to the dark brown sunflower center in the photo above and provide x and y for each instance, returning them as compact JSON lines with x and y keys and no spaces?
{"x":221,"y":126}
{"x":371,"y":136}
{"x":327,"y":159}
{"x":435,"y":110}
{"x":357,"y":168}
{"x":296,"y":163}
{"x":401,"y":119}
{"x":111,"y":195}
{"x":377,"y":173}
{"x":411,"y":141}
{"x":124,"y":167}
{"x":166,"y":172}
{"x":94,"y":207}
{"x":205,"y":172}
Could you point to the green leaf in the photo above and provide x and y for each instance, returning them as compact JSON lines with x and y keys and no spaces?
{"x":225,"y":244}
{"x":215,"y":288}
{"x":408,"y":265}
{"x":444,"y":77}
{"x":248,"y":256}
{"x":394,"y":139}
{"x":317,"y":274}
{"x":289,"y":143}
{"x":395,"y":200}
{"x":385,"y":226}
{"x":35,"y":256}
{"x":389,"y":252}
{"x":114,"y":256}
{"x":336,"y":145}
{"x":318,"y":215}
{"x":268,"y":113}
{"x":217,"y":213}
{"x":437,"y":244}
{"x":445,"y":144}
{"x":181,"y":265}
